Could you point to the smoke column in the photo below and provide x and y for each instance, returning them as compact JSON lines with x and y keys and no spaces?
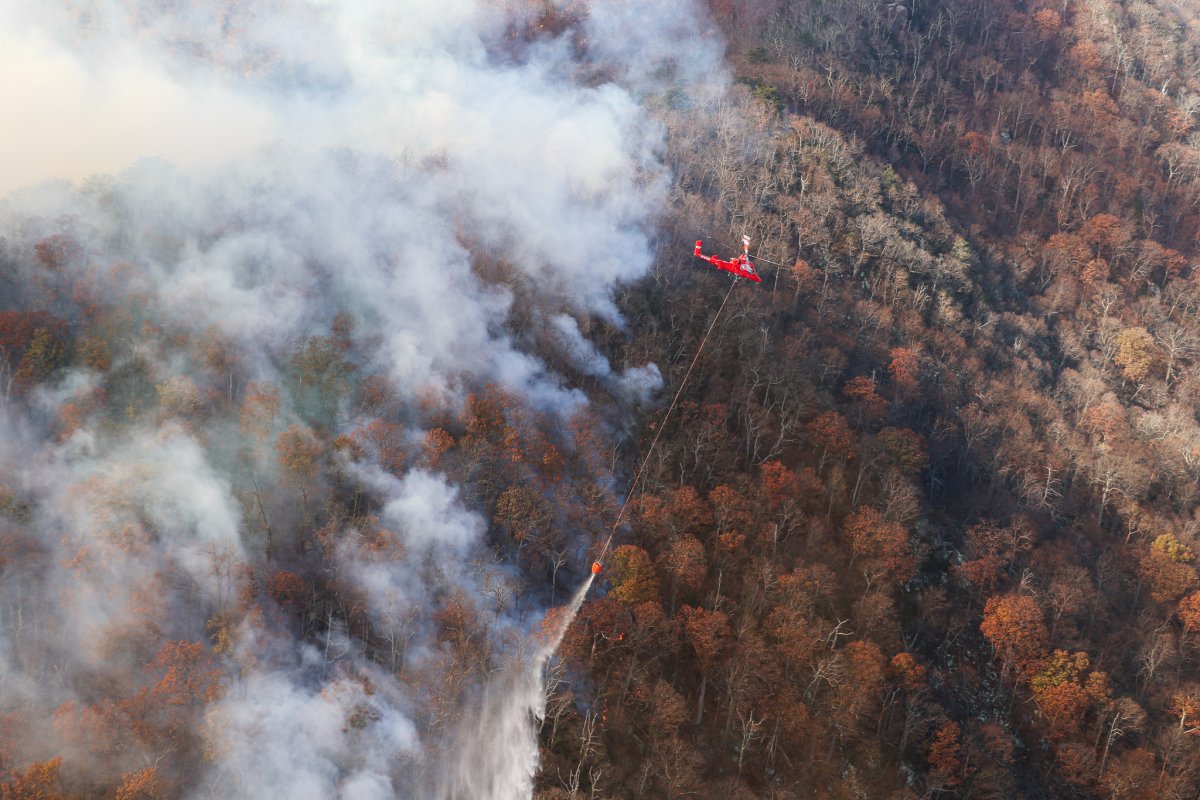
{"x":254,"y":260}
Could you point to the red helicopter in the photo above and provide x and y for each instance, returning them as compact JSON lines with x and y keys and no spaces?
{"x":739,"y":267}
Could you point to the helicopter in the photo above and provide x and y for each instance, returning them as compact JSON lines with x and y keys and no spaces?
{"x":739,"y":267}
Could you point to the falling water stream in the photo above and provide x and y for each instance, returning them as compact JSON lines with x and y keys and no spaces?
{"x":495,"y":754}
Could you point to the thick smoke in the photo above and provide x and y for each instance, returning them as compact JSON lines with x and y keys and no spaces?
{"x":466,"y":182}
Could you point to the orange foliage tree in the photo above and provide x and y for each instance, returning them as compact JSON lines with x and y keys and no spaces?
{"x":708,"y":633}
{"x":905,"y":370}
{"x":631,"y":572}
{"x":41,"y":781}
{"x":832,"y":436}
{"x":879,"y":544}
{"x":1014,"y":626}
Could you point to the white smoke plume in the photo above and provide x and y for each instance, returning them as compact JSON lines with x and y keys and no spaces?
{"x":207,"y":187}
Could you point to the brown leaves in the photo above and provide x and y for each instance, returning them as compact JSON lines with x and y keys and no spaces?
{"x":686,"y":563}
{"x":1062,"y":692}
{"x":56,"y":251}
{"x":706,"y":631}
{"x":905,"y":670}
{"x":663,"y":705}
{"x":40,"y":781}
{"x":434,"y":446}
{"x":944,"y":762}
{"x":1106,"y":233}
{"x":905,"y":448}
{"x":780,"y":483}
{"x":191,"y":674}
{"x":145,"y":784}
{"x":1135,"y":353}
{"x":524,"y":514}
{"x":387,"y":441}
{"x":322,"y":375}
{"x":299,"y":451}
{"x":905,"y":370}
{"x":1169,"y":568}
{"x":1014,"y":626}
{"x":632,"y":574}
{"x":45,"y":354}
{"x":1189,"y":612}
{"x":830,"y":433}
{"x":1047,"y":22}
{"x":287,"y":588}
{"x":863,"y":392}
{"x":1106,"y":420}
{"x":880,"y":543}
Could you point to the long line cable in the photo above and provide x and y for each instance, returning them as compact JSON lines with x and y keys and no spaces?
{"x":663,"y":424}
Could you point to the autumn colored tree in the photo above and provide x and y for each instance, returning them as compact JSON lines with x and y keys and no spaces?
{"x":527,"y":517}
{"x":664,"y":706}
{"x":1135,"y":353}
{"x":733,"y":512}
{"x":144,"y":784}
{"x":1169,"y":568}
{"x":287,"y":589}
{"x":794,"y":623}
{"x":435,"y":445}
{"x":18,"y":331}
{"x":905,"y":370}
{"x":180,"y":397}
{"x":991,"y":551}
{"x":907,"y":672}
{"x":1189,"y":612}
{"x":1013,"y":624}
{"x":879,"y":545}
{"x":858,"y":696}
{"x":190,"y":674}
{"x":905,"y":448}
{"x":387,"y":441}
{"x":787,"y":493}
{"x":1063,"y":692}
{"x":631,"y":572}
{"x":945,"y":765}
{"x":862,"y":392}
{"x":1108,"y":234}
{"x":1107,"y":420}
{"x":45,"y":354}
{"x":57,"y":250}
{"x":780,"y":484}
{"x":707,"y":632}
{"x":42,"y":781}
{"x":686,"y":564}
{"x":830,"y":433}
{"x":1065,"y":253}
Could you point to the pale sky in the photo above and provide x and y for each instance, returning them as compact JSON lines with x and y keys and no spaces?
{"x":62,"y":118}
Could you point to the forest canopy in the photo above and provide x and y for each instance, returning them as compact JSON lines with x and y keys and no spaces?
{"x":302,"y":458}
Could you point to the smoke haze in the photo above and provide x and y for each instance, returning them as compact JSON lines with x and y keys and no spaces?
{"x":259,"y":212}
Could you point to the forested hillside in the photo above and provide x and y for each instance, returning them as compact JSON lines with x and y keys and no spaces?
{"x":298,"y":460}
{"x":926,"y":523}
